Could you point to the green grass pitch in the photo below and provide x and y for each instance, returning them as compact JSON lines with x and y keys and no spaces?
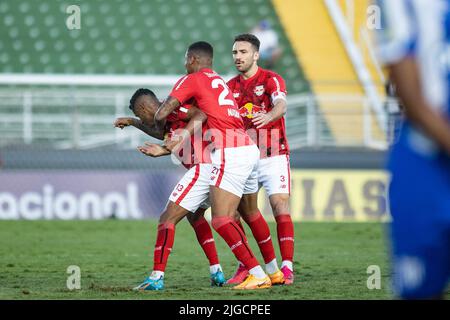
{"x":114,"y":256}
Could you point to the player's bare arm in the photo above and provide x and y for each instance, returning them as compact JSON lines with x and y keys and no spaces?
{"x":405,"y":75}
{"x":166,"y":108}
{"x":138,"y":124}
{"x":278,"y":111}
{"x":196,"y":119}
{"x":153,"y":150}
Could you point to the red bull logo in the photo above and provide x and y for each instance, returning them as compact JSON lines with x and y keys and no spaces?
{"x":249,"y":110}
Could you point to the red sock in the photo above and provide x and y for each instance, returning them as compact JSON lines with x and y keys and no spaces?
{"x":236,"y":240}
{"x":261,"y":232}
{"x":206,"y":240}
{"x":285,"y":231}
{"x":238,"y":222}
{"x":163,"y":246}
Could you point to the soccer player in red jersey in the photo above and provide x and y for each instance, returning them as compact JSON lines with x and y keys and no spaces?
{"x":261,"y":96}
{"x":144,"y":104}
{"x":234,"y":157}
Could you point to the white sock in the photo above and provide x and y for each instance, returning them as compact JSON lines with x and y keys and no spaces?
{"x":214,"y":268}
{"x":288,"y":264}
{"x":272,"y":266}
{"x":257,"y":272}
{"x":156,"y":275}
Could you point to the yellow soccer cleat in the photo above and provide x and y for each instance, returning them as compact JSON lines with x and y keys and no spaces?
{"x":277,"y":278}
{"x":253,"y":283}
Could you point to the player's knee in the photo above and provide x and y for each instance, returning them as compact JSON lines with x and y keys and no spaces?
{"x":218,"y":222}
{"x":192,"y":218}
{"x":172,"y":214}
{"x":280,"y":204}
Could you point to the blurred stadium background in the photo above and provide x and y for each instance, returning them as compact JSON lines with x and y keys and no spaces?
{"x":62,"y":88}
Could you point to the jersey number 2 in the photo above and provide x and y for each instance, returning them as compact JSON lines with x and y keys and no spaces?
{"x":222,"y":97}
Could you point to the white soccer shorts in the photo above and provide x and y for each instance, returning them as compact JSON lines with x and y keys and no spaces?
{"x":274,"y":174}
{"x":192,"y":191}
{"x":235,"y":169}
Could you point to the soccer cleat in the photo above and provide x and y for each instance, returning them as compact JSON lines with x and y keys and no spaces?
{"x":218,"y":279}
{"x":288,"y":275}
{"x":151,"y":284}
{"x":253,"y":283}
{"x":239,"y":276}
{"x":277,"y":278}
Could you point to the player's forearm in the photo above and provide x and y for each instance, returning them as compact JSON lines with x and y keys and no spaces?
{"x":151,"y":131}
{"x":278,"y":110}
{"x":406,"y":77}
{"x":166,"y":108}
{"x":195,"y":122}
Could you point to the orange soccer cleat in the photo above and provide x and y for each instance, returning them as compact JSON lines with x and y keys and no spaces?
{"x":253,"y":283}
{"x":277,"y":278}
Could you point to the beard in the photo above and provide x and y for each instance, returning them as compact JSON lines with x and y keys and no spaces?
{"x":243,"y":67}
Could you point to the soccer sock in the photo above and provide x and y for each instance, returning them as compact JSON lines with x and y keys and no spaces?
{"x":236,"y":240}
{"x":214,"y":268}
{"x":206,"y":240}
{"x":239,"y":223}
{"x":261,"y":232}
{"x":272,"y":267}
{"x":156,"y":275}
{"x":285,"y":231}
{"x":287,"y":263}
{"x":163,"y":246}
{"x":257,"y":272}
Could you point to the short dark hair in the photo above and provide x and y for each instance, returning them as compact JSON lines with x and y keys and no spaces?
{"x":248,"y":37}
{"x":201,"y":48}
{"x":140,"y":92}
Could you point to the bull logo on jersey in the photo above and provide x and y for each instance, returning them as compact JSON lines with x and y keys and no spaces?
{"x":249,"y":110}
{"x":259,"y":90}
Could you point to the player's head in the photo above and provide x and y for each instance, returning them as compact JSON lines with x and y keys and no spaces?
{"x":144,"y":104}
{"x":245,"y":51}
{"x":198,"y":55}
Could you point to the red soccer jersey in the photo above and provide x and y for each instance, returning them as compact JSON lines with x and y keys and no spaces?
{"x":214,"y":98}
{"x":255,"y":95}
{"x":177,"y":120}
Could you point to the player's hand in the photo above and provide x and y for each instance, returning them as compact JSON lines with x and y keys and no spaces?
{"x":261,"y":119}
{"x":173,"y":143}
{"x":153,"y":150}
{"x":123,"y":122}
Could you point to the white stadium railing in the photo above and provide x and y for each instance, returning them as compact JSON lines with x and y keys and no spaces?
{"x":74,"y":111}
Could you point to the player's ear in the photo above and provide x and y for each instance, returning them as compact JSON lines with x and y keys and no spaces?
{"x":191,"y":58}
{"x":256,"y":55}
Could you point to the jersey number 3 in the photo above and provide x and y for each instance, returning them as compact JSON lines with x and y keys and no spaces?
{"x":223,"y":101}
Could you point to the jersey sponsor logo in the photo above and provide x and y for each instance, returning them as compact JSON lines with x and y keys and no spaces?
{"x":249,"y":110}
{"x":234,"y":113}
{"x":259,"y":90}
{"x":236,"y":94}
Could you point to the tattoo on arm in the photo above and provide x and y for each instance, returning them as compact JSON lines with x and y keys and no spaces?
{"x":164,"y":110}
{"x":150,"y":130}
